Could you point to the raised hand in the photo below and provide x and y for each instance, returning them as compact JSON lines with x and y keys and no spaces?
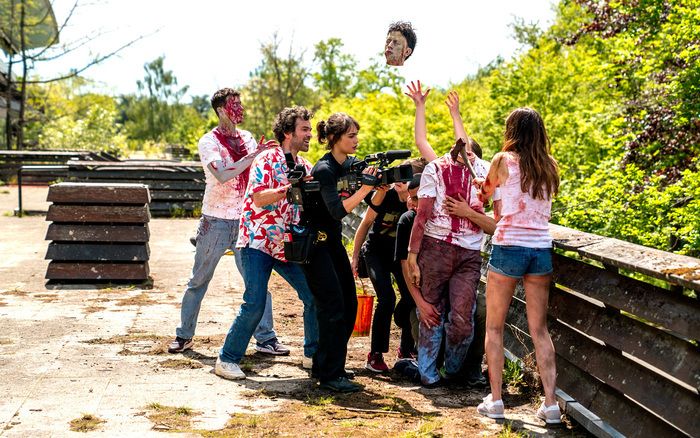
{"x":452,"y":102}
{"x":415,"y":92}
{"x":262,"y":144}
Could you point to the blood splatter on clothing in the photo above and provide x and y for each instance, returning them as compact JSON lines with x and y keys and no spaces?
{"x":445,"y":177}
{"x":524,"y":220}
{"x":224,"y":200}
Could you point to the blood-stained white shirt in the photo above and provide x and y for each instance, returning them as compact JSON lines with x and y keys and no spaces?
{"x":524,"y":220}
{"x":444,"y":177}
{"x":223,"y":200}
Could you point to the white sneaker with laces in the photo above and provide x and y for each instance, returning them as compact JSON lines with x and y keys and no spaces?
{"x":490,"y":408}
{"x":228,"y":370}
{"x":550,"y":414}
{"x":307,"y":362}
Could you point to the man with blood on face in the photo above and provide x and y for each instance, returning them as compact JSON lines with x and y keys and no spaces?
{"x":400,"y":43}
{"x":226,"y":153}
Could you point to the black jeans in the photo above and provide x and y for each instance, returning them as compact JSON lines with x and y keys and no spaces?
{"x":380,"y":266}
{"x":332,"y":284}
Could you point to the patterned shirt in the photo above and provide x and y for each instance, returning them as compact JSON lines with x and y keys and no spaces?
{"x":443,"y":177}
{"x":223,"y":200}
{"x":263,"y":228}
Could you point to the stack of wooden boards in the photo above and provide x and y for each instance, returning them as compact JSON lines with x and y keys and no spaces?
{"x":98,"y":232}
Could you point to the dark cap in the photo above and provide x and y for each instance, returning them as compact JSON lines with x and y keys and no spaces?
{"x":415,"y":182}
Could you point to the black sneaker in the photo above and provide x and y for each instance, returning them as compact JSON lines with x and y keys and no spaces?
{"x":273,"y":346}
{"x":178,"y":345}
{"x":193,"y":241}
{"x":341,"y":384}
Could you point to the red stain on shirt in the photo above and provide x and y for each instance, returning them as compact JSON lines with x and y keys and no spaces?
{"x":457,"y":181}
{"x":235,"y":147}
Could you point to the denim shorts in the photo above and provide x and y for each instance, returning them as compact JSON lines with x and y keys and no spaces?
{"x":518,"y":261}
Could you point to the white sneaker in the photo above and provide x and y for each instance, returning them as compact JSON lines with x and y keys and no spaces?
{"x":490,"y":408}
{"x":550,"y":414}
{"x":307,"y":362}
{"x":228,"y":370}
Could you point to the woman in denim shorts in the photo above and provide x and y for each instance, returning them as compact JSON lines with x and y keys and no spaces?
{"x":528,"y":177}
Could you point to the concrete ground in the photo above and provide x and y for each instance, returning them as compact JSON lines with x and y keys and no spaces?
{"x":68,"y":351}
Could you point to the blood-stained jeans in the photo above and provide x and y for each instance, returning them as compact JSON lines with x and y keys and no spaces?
{"x":449,"y":280}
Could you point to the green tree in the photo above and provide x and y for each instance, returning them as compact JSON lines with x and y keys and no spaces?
{"x":335,"y":69}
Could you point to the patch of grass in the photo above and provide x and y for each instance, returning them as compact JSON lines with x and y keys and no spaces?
{"x":508,"y":432}
{"x":171,"y":418}
{"x":93,"y":309}
{"x":321,"y":400}
{"x":427,"y":428}
{"x":180,"y":364}
{"x":512,"y":373}
{"x":4,"y":192}
{"x":139,"y":300}
{"x":86,"y":423}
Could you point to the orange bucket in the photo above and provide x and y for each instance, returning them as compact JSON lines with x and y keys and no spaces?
{"x":363,"y":320}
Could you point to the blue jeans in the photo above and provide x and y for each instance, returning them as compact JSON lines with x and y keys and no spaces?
{"x":257,"y":268}
{"x":214,"y":237}
{"x":518,"y":261}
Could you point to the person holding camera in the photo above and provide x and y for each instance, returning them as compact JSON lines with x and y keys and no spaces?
{"x":226,"y":154}
{"x":379,"y":227}
{"x":266,"y":214}
{"x":328,"y":272}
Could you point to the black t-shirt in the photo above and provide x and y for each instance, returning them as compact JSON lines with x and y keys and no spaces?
{"x":383,"y":229}
{"x":324,"y":210}
{"x":403,"y":235}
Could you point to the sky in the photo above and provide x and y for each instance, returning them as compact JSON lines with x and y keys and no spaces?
{"x":210,"y":44}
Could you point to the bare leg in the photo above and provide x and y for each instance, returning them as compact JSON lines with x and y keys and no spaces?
{"x":537,"y":297}
{"x":499,"y":292}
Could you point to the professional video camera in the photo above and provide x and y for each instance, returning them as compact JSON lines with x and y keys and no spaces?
{"x":385,"y":175}
{"x":295,"y":176}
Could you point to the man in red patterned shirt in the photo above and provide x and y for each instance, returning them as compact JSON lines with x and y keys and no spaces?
{"x":264,"y":219}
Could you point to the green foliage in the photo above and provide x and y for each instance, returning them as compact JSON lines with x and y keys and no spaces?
{"x":512,"y":373}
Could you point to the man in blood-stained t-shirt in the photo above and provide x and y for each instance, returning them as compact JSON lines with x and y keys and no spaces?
{"x":445,"y":260}
{"x":226,"y":153}
{"x":266,"y":215}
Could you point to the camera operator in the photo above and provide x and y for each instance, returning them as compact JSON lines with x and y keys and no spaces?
{"x":379,"y":226}
{"x":329,"y":273}
{"x":266,"y":214}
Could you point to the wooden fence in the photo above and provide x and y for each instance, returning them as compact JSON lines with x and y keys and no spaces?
{"x":11,"y":161}
{"x":625,"y":322}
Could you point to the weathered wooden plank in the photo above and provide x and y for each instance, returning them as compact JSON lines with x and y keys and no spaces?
{"x":620,"y":412}
{"x":97,"y":233}
{"x":660,"y":306}
{"x":166,"y":208}
{"x":134,"y":175}
{"x":98,"y":214}
{"x":187,"y":185}
{"x":98,"y":193}
{"x":673,"y":268}
{"x":97,"y":271}
{"x":80,"y":252}
{"x":666,"y":352}
{"x":136,"y":164}
{"x":569,"y":239}
{"x":670,"y":401}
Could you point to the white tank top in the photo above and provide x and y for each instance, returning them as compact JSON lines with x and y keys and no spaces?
{"x":524,"y":220}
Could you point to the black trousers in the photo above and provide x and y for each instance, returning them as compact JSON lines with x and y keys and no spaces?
{"x":380,"y":267}
{"x":332,"y":284}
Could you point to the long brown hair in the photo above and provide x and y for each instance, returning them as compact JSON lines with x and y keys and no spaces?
{"x":526,"y":136}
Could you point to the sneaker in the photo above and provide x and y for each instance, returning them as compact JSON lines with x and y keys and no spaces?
{"x":307,"y":362}
{"x":436,"y":384}
{"x":400,"y":354}
{"x":490,"y":408}
{"x":550,"y":414}
{"x":193,"y":241}
{"x":178,"y":345}
{"x":349,"y":374}
{"x":341,"y":384}
{"x":228,"y":370}
{"x":375,"y":362}
{"x":477,"y":382}
{"x":273,"y":346}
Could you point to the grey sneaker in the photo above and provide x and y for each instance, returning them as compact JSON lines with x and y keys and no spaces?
{"x":550,"y":414}
{"x":341,"y":384}
{"x":228,"y":370}
{"x":490,"y":408}
{"x":273,"y":346}
{"x":178,"y":345}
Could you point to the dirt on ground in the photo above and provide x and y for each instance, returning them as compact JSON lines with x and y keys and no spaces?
{"x":94,"y":358}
